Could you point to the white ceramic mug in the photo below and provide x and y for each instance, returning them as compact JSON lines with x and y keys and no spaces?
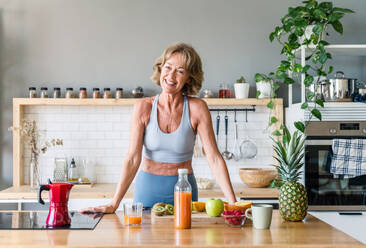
{"x":260,"y":214}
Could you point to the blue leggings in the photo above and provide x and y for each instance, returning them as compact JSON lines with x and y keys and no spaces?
{"x":150,"y":188}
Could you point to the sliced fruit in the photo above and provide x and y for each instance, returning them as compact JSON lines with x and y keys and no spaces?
{"x":198,"y":206}
{"x":159,"y":211}
{"x":169,"y":209}
{"x":243,"y":204}
{"x":240,"y":205}
{"x":161,"y":204}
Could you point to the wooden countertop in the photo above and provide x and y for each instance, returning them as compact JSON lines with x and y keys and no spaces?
{"x":107,"y":191}
{"x":110,"y":232}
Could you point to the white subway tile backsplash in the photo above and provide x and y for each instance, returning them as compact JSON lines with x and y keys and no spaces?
{"x":86,"y":126}
{"x":71,"y":126}
{"x":112,"y":135}
{"x":105,"y":125}
{"x":115,"y":152}
{"x":105,"y":144}
{"x":119,"y":126}
{"x":115,"y":117}
{"x":78,"y":135}
{"x":101,"y":133}
{"x":96,"y":135}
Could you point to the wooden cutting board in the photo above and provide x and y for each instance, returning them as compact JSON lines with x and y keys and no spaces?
{"x":197,"y":217}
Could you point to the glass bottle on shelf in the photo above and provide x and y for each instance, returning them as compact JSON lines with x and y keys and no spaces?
{"x":119,"y":93}
{"x":224,"y":91}
{"x":56,"y":92}
{"x":69,"y":93}
{"x":44,"y":92}
{"x":82,"y":93}
{"x":32,"y":92}
{"x":96,"y":93}
{"x":73,"y":172}
{"x":182,"y":201}
{"x":107,"y":93}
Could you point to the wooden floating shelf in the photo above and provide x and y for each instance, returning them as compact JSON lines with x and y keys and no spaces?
{"x":131,"y":101}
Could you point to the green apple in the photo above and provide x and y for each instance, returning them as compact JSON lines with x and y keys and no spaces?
{"x":214,"y":207}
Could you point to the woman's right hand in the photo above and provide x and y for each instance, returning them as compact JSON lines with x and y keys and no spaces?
{"x":106,"y":209}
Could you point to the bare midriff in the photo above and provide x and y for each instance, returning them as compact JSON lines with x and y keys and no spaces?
{"x":165,"y":169}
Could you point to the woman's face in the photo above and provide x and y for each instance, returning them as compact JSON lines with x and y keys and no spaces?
{"x":174,"y":74}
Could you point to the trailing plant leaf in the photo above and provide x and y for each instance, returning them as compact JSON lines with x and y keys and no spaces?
{"x":330,"y":69}
{"x":316,"y":113}
{"x":270,"y":105}
{"x":300,"y":126}
{"x":258,"y":93}
{"x":276,"y":133}
{"x":338,"y":27}
{"x":273,"y":120}
{"x":308,"y":80}
{"x":319,"y":102}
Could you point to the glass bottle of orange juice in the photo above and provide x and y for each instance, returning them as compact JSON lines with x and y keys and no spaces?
{"x":182,"y":201}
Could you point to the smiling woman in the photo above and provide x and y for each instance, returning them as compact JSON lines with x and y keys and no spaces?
{"x":163,"y":132}
{"x":189,"y":62}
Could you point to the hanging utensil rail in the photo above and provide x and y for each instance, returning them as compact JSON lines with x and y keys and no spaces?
{"x":234,"y":109}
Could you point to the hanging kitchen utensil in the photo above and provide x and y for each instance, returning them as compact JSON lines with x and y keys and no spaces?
{"x":217,"y":129}
{"x":226,"y":154}
{"x":236,"y":148}
{"x":247,"y":147}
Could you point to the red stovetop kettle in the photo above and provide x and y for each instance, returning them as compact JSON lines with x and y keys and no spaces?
{"x":58,"y":214}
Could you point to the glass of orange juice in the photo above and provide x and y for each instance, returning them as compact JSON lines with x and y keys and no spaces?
{"x":132,"y":213}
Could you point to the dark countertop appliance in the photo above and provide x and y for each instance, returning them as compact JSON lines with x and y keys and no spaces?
{"x":36,"y":220}
{"x":324,"y":191}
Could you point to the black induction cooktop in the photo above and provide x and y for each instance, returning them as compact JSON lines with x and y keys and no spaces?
{"x":36,"y":220}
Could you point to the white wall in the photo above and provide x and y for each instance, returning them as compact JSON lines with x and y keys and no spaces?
{"x":114,"y":43}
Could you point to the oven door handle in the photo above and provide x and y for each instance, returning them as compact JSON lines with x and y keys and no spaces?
{"x":318,"y":142}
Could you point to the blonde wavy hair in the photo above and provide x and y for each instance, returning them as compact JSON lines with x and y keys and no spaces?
{"x":193,"y":66}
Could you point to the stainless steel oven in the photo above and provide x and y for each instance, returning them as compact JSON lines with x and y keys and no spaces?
{"x":324,"y":191}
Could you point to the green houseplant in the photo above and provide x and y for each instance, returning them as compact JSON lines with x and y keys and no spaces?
{"x":266,"y":85}
{"x":304,"y":25}
{"x":241,"y":88}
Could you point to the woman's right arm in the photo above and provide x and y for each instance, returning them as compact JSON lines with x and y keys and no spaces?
{"x":132,"y":160}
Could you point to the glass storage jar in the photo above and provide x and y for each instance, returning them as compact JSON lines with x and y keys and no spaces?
{"x":107,"y":93}
{"x":56,"y":92}
{"x":82,"y":93}
{"x":44,"y":92}
{"x":96,"y":93}
{"x":119,"y":93}
{"x":32,"y":92}
{"x":69,"y":93}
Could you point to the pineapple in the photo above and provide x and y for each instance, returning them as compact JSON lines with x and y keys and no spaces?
{"x":293,"y":203}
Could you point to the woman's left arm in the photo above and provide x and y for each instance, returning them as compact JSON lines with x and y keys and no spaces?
{"x":216,"y":162}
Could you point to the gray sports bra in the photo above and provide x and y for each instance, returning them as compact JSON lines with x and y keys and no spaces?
{"x":172,"y":147}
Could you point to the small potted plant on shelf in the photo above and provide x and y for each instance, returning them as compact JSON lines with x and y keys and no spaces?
{"x":241,"y":88}
{"x":265,"y":85}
